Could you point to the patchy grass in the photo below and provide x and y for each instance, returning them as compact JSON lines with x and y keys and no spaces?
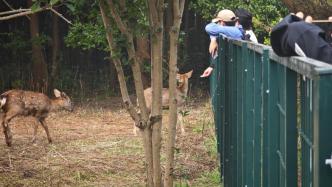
{"x":95,"y":146}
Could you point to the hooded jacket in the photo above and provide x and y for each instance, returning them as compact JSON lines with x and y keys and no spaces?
{"x":294,"y":37}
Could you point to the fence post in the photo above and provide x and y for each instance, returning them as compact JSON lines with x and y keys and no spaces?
{"x":215,"y":90}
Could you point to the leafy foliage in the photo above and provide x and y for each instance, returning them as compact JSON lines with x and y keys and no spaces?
{"x":87,"y":36}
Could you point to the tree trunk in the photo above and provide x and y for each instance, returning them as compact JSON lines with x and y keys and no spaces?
{"x":156,"y":16}
{"x":143,"y":54}
{"x":318,"y":9}
{"x":55,"y":49}
{"x":39,"y":65}
{"x":177,"y":11}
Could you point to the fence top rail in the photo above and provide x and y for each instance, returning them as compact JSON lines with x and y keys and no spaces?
{"x":308,"y":67}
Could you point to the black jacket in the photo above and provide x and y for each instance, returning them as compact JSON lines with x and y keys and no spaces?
{"x":309,"y":37}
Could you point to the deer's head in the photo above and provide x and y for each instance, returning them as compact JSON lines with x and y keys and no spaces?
{"x":182,"y":81}
{"x":63,"y":101}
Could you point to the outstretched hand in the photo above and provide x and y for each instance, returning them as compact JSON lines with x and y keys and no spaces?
{"x":207,"y":72}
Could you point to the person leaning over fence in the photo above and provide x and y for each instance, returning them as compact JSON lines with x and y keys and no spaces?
{"x":295,"y":37}
{"x":245,"y":20}
{"x":223,"y":24}
{"x":228,"y":24}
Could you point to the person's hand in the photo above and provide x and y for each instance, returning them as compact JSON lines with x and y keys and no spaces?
{"x":213,"y":48}
{"x":308,"y":19}
{"x":207,"y":72}
{"x":300,"y":15}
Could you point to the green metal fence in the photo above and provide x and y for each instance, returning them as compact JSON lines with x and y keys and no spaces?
{"x":273,"y":117}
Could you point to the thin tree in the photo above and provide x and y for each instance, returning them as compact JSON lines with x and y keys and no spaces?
{"x":152,"y":139}
{"x":142,"y":120}
{"x":39,"y":66}
{"x":176,"y":17}
{"x":156,"y":20}
{"x":55,"y":49}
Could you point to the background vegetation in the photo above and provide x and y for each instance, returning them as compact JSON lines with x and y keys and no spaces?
{"x":83,"y":68}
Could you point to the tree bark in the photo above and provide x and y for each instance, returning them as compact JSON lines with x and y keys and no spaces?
{"x":55,"y":50}
{"x":156,"y":16}
{"x":177,"y":11}
{"x":39,"y":65}
{"x":318,"y":9}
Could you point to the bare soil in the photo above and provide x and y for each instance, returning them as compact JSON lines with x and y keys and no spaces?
{"x":95,"y":146}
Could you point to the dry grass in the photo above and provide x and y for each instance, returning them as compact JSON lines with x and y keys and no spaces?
{"x":95,"y":146}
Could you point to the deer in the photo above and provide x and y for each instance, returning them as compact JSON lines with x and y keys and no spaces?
{"x":181,"y":95}
{"x":28,"y":103}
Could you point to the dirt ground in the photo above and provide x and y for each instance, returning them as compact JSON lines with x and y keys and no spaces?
{"x":95,"y":146}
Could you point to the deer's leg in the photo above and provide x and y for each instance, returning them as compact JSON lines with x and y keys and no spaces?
{"x":6,"y":128}
{"x":180,"y":122}
{"x":5,"y":131}
{"x":135,"y":129}
{"x":35,"y":128}
{"x":43,"y":123}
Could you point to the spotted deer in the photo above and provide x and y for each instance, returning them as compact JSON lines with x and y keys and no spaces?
{"x":181,"y":94}
{"x":27,"y":103}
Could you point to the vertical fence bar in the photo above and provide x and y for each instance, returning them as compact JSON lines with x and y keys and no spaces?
{"x":248,"y":118}
{"x":281,"y":105}
{"x":227,"y":114}
{"x":291,"y":129}
{"x":273,"y":130}
{"x":216,"y":104}
{"x":306,"y":133}
{"x":266,"y":113}
{"x":234,"y":115}
{"x":222,"y":54}
{"x":240,"y":96}
{"x":258,"y":122}
{"x":322,"y":128}
{"x":227,"y":125}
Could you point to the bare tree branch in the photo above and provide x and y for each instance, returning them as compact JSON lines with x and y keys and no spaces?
{"x":25,"y":12}
{"x":122,"y":26}
{"x":153,"y":12}
{"x":60,"y":15}
{"x":13,"y":8}
{"x":14,"y":11}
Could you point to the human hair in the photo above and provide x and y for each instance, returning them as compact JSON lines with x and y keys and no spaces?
{"x":245,"y":18}
{"x":229,"y":23}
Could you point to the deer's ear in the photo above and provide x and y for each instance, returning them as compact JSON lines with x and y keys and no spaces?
{"x":189,"y":74}
{"x":57,"y":93}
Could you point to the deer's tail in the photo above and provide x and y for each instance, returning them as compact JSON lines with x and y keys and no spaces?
{"x":3,"y":100}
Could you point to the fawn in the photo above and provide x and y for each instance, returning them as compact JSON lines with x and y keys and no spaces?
{"x":181,"y":94}
{"x":27,"y":103}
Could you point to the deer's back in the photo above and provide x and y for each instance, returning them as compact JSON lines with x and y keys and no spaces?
{"x":165,"y":97}
{"x":26,"y":102}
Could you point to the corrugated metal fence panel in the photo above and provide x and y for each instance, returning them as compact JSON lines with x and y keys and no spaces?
{"x":263,"y":105}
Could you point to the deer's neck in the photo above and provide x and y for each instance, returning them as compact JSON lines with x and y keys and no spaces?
{"x":55,"y":105}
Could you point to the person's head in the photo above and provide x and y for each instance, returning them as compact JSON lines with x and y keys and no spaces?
{"x":225,"y":17}
{"x":245,"y":18}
